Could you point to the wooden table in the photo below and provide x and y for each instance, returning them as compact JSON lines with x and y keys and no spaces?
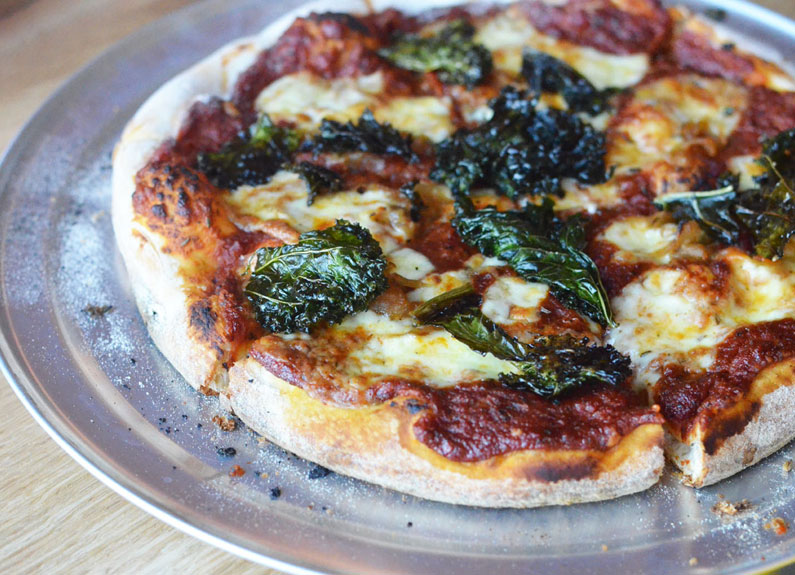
{"x":54,"y":516}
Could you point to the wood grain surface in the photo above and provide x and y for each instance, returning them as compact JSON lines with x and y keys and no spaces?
{"x":54,"y":516}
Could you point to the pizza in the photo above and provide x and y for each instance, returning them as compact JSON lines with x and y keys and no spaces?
{"x":500,"y":255}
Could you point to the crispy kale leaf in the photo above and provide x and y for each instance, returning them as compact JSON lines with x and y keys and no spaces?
{"x":548,"y":366}
{"x":253,"y":157}
{"x":326,"y":276}
{"x":713,"y":210}
{"x":521,"y":150}
{"x":450,"y":53}
{"x":763,"y":216}
{"x":319,"y":180}
{"x":367,"y":135}
{"x":540,"y":248}
{"x":414,"y":198}
{"x":545,"y":73}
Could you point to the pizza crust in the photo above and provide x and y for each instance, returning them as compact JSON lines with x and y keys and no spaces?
{"x":770,"y":429}
{"x":375,"y":443}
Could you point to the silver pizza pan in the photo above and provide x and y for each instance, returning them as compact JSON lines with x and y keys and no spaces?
{"x":92,"y":378}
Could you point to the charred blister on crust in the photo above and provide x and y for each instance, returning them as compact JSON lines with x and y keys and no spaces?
{"x":554,"y":471}
{"x":187,"y":212}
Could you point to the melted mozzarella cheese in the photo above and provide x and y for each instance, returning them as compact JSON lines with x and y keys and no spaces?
{"x":507,"y":33}
{"x":762,"y":290}
{"x":668,"y":116}
{"x":305,"y":99}
{"x":588,"y":198}
{"x":436,"y":284}
{"x":672,"y":312}
{"x":411,"y":264}
{"x":747,"y":168}
{"x":382,"y":211}
{"x":661,"y":313}
{"x":512,"y":299}
{"x":431,"y":355}
{"x":642,"y":238}
{"x":421,"y":116}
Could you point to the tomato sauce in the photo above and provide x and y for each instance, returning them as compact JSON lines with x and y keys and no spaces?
{"x":687,"y":398}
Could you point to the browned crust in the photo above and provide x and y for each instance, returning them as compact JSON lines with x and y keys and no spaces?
{"x":376,"y":444}
{"x":755,"y":427}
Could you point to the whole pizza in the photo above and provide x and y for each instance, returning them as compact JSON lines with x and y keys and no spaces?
{"x":503,"y":255}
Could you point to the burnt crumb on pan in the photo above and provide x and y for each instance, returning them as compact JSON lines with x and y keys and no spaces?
{"x":778,"y":525}
{"x":716,"y":14}
{"x":728,"y":509}
{"x":226,"y":451}
{"x":318,"y":472}
{"x":97,"y":311}
{"x":225,"y":423}
{"x":276,"y":492}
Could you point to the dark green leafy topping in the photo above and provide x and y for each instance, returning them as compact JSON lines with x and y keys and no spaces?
{"x":253,"y":157}
{"x":540,"y":248}
{"x":417,"y":205}
{"x":450,"y":53}
{"x":521,"y":150}
{"x":545,"y":73}
{"x":326,"y":276}
{"x":319,"y":180}
{"x":713,"y":210}
{"x":447,"y":305}
{"x":763,"y":216}
{"x":548,"y":366}
{"x":778,"y":158}
{"x":367,"y":135}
